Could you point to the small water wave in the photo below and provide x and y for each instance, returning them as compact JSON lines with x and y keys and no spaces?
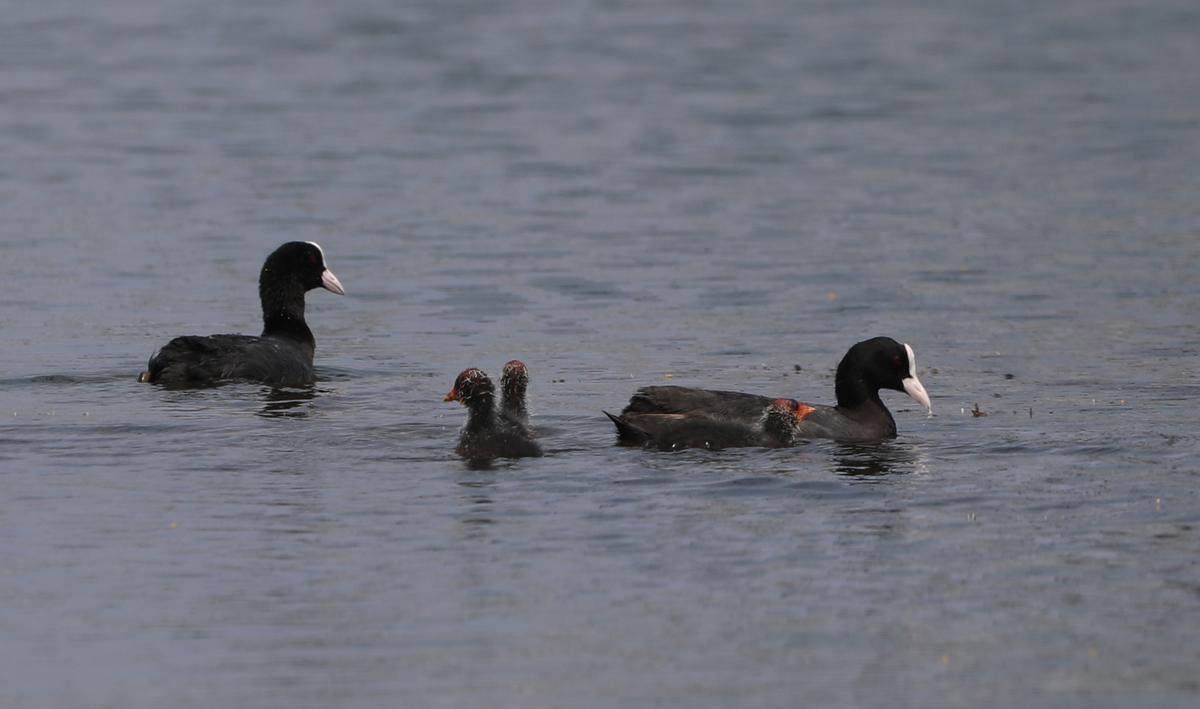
{"x":70,"y":379}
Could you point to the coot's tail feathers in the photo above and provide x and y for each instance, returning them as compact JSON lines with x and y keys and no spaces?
{"x":627,"y":432}
{"x":151,"y":374}
{"x":188,"y":358}
{"x":177,"y":372}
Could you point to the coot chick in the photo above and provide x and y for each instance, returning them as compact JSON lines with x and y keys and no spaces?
{"x":282,"y":355}
{"x":513,"y":383}
{"x":871,"y":365}
{"x":781,"y":423}
{"x":488,"y":434}
{"x":777,"y":427}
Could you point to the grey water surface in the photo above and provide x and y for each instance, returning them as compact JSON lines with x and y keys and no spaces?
{"x":725,"y":194}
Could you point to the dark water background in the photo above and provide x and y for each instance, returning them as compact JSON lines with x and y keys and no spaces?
{"x":613,"y":192}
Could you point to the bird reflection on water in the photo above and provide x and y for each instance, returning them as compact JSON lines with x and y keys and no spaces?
{"x":871,"y":462}
{"x":477,"y":503}
{"x":291,"y":402}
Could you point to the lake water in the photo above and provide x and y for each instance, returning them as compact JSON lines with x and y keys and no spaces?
{"x":620,"y":194}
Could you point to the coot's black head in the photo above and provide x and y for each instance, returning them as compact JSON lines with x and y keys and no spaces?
{"x":471,"y":386}
{"x":879,"y":363}
{"x":515,"y":379}
{"x":297,"y":266}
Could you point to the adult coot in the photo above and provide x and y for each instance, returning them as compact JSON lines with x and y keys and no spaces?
{"x":488,"y":434}
{"x":871,"y":365}
{"x":282,"y":355}
{"x":777,"y":427}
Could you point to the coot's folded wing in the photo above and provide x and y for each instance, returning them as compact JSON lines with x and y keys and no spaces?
{"x":730,"y":405}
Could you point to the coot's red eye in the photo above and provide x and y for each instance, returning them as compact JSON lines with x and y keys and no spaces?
{"x":896,"y":361}
{"x":312,"y":258}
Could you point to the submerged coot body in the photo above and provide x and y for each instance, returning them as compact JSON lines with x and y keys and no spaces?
{"x":488,"y":434}
{"x":871,"y":365}
{"x":778,"y":426}
{"x":282,"y":355}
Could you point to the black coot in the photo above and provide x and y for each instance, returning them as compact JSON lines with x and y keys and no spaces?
{"x":871,"y":365}
{"x":779,"y":426}
{"x":282,"y":355}
{"x":488,"y":434}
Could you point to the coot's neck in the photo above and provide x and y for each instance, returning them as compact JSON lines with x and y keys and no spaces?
{"x":481,"y":412}
{"x":283,"y":313}
{"x":514,"y":400}
{"x":860,"y":401}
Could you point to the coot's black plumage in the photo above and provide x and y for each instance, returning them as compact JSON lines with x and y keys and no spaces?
{"x":871,"y":365}
{"x":514,"y":380}
{"x":282,"y":355}
{"x":488,"y":434}
{"x":777,"y":427}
